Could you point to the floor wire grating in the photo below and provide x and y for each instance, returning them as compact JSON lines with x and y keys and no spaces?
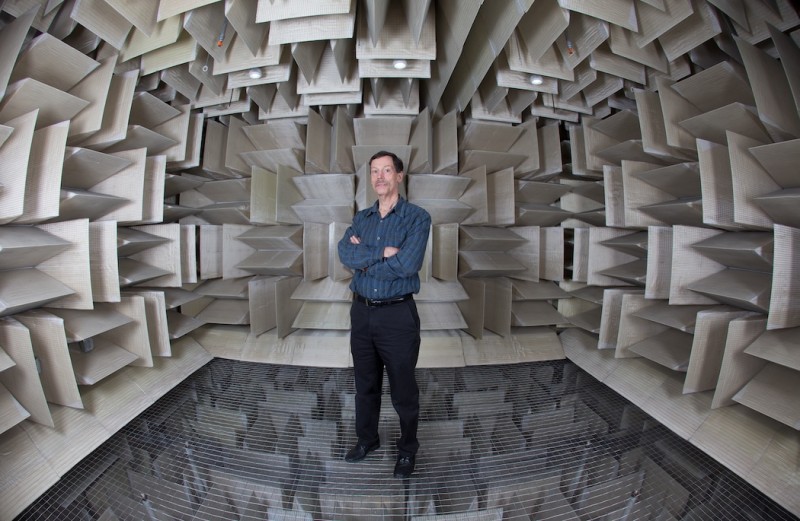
{"x":542,"y":441}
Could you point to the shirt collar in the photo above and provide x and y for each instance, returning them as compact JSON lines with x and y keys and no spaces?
{"x":399,"y":207}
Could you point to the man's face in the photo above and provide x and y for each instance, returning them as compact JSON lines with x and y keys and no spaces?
{"x":385,"y":179}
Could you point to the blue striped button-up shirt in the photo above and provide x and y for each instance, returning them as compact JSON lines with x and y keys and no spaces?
{"x":405,"y":227}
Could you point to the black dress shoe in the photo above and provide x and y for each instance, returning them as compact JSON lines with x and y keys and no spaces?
{"x":404,"y":467}
{"x":360,"y":452}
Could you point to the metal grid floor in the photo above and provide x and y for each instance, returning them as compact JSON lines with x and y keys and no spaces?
{"x":539,"y":441}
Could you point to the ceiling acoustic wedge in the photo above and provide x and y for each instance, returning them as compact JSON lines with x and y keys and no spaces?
{"x":51,"y":61}
{"x":605,"y":60}
{"x":700,"y":26}
{"x":240,"y":60}
{"x":138,"y":43}
{"x":241,"y":14}
{"x":324,"y":76}
{"x":308,"y":28}
{"x":550,"y":64}
{"x":621,"y":42}
{"x":382,"y":130}
{"x":28,"y":94}
{"x":392,"y":97}
{"x":541,"y":25}
{"x":655,"y":20}
{"x":182,"y":52}
{"x":619,"y":12}
{"x":271,"y":10}
{"x":397,"y":40}
{"x":103,"y":20}
{"x":12,"y":38}
{"x":490,"y":30}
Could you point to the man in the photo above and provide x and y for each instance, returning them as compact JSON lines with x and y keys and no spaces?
{"x":385,"y":247}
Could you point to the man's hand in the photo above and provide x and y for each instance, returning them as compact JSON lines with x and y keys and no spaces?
{"x":388,"y":251}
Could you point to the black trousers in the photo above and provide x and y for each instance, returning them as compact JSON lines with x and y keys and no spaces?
{"x":386,"y":336}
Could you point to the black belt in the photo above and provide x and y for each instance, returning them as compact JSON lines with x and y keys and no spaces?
{"x":384,"y":302}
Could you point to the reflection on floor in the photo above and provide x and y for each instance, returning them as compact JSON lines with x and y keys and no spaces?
{"x":539,"y":441}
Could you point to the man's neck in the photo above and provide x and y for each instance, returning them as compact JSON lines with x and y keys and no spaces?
{"x":387,"y":202}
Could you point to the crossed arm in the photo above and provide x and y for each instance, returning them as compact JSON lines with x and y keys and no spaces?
{"x":389,"y":262}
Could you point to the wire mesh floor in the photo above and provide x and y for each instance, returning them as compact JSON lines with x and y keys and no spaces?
{"x":539,"y":441}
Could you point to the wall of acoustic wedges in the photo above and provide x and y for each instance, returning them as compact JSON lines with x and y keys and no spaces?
{"x":636,"y":212}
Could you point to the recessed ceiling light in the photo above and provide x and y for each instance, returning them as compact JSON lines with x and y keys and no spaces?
{"x":536,"y":79}
{"x":254,"y":73}
{"x":400,"y":64}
